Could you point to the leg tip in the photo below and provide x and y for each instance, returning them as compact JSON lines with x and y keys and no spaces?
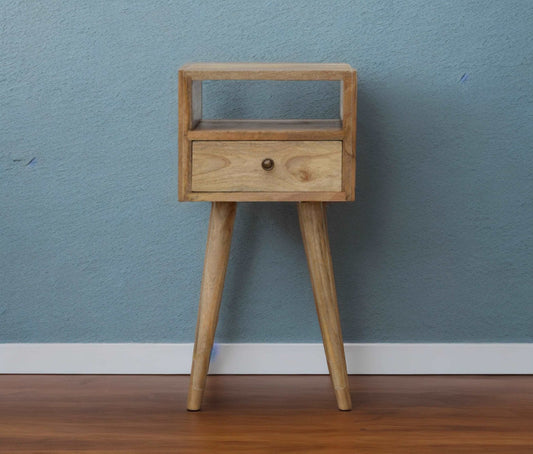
{"x":344,"y":404}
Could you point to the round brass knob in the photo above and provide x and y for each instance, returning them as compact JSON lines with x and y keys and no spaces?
{"x":267,"y":164}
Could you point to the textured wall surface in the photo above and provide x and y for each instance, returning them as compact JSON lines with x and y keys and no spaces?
{"x":95,"y":247}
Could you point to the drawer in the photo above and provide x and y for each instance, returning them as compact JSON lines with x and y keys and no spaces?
{"x":266,"y":166}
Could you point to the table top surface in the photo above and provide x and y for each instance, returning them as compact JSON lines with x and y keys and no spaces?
{"x":267,"y":71}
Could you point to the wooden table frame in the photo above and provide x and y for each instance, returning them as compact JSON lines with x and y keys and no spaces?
{"x":215,"y":166}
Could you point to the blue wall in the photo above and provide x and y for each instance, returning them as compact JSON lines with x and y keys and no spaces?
{"x":95,"y":247}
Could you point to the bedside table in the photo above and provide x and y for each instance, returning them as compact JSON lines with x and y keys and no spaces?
{"x":306,"y":161}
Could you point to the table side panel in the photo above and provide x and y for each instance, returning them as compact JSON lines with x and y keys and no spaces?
{"x":349,"y":119}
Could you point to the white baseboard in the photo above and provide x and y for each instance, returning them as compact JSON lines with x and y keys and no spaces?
{"x":135,"y":358}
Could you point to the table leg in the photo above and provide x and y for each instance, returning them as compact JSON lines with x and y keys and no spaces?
{"x":313,"y":225}
{"x":215,"y":264}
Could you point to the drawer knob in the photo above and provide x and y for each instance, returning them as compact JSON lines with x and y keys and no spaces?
{"x":267,"y":164}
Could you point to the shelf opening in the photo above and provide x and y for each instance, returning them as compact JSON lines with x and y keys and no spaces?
{"x":270,"y":100}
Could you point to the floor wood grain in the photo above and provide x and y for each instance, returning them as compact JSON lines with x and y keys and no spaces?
{"x":266,"y":414}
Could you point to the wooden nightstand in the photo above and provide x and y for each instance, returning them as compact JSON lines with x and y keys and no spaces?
{"x":229,"y":161}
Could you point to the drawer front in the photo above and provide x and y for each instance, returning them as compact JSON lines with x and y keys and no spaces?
{"x":269,"y":166}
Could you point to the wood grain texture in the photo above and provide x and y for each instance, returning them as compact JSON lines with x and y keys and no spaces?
{"x":330,"y":129}
{"x":229,"y":166}
{"x":265,"y":414}
{"x":313,"y":224}
{"x":267,"y":71}
{"x":216,"y":260}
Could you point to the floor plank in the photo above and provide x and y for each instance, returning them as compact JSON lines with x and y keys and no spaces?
{"x":266,"y":414}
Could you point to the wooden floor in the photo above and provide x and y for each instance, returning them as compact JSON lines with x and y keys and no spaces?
{"x":266,"y":414}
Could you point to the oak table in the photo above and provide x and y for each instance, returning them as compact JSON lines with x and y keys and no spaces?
{"x":228,"y":161}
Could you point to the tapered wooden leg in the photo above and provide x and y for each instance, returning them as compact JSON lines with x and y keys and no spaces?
{"x":215,"y":264}
{"x":316,"y":242}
